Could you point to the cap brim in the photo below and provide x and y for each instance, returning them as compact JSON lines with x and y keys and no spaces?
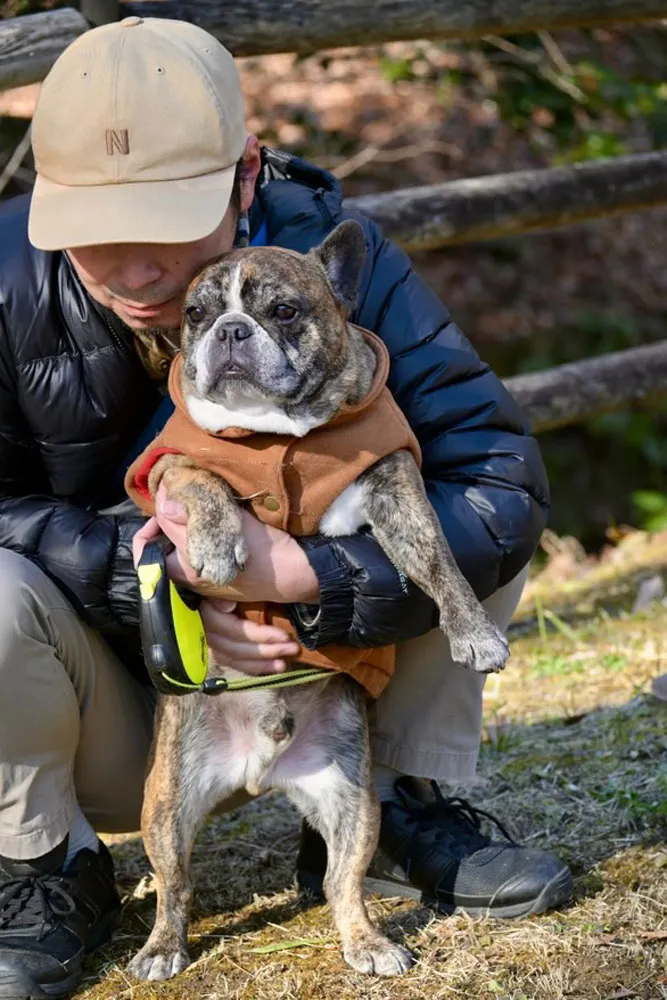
{"x":174,"y":211}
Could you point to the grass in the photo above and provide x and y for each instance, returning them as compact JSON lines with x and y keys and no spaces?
{"x":574,"y":758}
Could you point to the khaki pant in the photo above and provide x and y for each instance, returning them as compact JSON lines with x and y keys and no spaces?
{"x":75,"y":725}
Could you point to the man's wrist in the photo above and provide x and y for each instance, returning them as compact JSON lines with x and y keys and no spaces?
{"x":301,"y":585}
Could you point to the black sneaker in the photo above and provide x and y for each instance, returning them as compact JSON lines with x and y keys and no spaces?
{"x":436,"y":853}
{"x":49,"y":919}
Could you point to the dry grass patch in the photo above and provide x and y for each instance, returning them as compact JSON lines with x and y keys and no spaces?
{"x":574,"y":759}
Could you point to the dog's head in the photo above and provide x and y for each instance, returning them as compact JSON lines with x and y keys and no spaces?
{"x":265,"y":325}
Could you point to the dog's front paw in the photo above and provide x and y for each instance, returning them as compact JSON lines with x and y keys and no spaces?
{"x":478,"y":644}
{"x":377,"y":956}
{"x":216,"y":555}
{"x":154,"y":963}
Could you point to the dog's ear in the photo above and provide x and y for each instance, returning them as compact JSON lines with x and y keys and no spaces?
{"x":343,"y":254}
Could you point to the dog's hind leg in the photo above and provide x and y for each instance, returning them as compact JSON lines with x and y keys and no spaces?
{"x":175,"y":806}
{"x":406,"y":526}
{"x":339,"y":801}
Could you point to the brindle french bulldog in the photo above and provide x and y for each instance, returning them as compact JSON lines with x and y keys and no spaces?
{"x":295,"y":364}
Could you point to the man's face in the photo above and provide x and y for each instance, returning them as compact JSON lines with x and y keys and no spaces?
{"x":144,"y":284}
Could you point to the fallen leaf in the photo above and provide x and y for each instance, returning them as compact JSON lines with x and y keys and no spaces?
{"x":571,"y":720}
{"x":639,"y":936}
{"x":607,"y":939}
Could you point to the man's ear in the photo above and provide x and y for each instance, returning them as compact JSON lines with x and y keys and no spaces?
{"x":343,"y":254}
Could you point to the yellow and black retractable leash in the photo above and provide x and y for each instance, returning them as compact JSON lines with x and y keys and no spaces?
{"x":173,"y":638}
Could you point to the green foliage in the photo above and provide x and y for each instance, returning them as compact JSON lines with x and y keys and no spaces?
{"x":395,"y":70}
{"x":595,"y":145}
{"x":615,"y":663}
{"x":637,"y":806}
{"x":547,"y":665}
{"x":578,"y":110}
{"x":585,"y":107}
{"x":652,"y":509}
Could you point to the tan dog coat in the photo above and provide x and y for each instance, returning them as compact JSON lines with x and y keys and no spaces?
{"x":290,"y":482}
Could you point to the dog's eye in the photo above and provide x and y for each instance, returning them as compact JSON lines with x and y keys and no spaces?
{"x":194,"y":313}
{"x":284,"y":312}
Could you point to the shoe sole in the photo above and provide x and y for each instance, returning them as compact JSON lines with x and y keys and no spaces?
{"x":555,"y":892}
{"x":17,"y":985}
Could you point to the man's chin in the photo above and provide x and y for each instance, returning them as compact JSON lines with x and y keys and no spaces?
{"x":158,"y":319}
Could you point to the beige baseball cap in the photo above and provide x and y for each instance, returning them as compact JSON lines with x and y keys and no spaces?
{"x":136,"y":135}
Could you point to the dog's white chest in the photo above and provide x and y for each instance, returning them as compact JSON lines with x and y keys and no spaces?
{"x":231,"y":747}
{"x":235,"y":753}
{"x":347,"y":513}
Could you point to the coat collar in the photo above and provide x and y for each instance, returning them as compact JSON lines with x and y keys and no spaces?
{"x":345,"y":414}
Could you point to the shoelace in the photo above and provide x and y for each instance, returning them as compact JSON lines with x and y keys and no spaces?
{"x":33,"y":901}
{"x":453,"y":818}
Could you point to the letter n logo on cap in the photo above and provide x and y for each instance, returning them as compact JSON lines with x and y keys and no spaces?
{"x":117,"y":142}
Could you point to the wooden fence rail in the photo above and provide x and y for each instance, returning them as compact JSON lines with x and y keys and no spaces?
{"x":29,"y":45}
{"x":572,"y":393}
{"x":482,"y":208}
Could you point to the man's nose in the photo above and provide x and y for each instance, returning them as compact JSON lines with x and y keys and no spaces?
{"x":234,"y":330}
{"x":137,"y":274}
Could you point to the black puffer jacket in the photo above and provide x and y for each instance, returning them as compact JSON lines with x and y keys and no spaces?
{"x":74,"y":398}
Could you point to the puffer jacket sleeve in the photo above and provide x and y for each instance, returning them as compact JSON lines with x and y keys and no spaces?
{"x":89,"y":556}
{"x":482,"y":468}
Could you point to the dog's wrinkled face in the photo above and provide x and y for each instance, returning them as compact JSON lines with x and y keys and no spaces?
{"x":269,"y":325}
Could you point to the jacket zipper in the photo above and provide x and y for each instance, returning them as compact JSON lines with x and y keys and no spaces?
{"x":117,"y":340}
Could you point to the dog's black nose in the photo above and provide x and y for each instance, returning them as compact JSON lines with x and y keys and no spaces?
{"x":238,"y":330}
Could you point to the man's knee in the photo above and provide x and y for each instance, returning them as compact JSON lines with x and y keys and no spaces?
{"x":38,"y":710}
{"x":502,"y":604}
{"x":26,"y":596}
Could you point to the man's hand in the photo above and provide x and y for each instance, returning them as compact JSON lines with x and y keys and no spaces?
{"x":252,"y":648}
{"x":277,"y":569}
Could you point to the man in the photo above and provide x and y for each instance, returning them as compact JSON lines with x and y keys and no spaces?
{"x":145,"y":171}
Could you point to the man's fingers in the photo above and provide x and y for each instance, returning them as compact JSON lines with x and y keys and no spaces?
{"x":235,"y":652}
{"x":246,"y":645}
{"x":255,"y":667}
{"x":240,"y":629}
{"x":150,"y":530}
{"x":169,"y":509}
{"x":223,"y":606}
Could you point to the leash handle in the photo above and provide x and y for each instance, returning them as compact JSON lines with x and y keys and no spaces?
{"x":174,"y":642}
{"x":172,"y":634}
